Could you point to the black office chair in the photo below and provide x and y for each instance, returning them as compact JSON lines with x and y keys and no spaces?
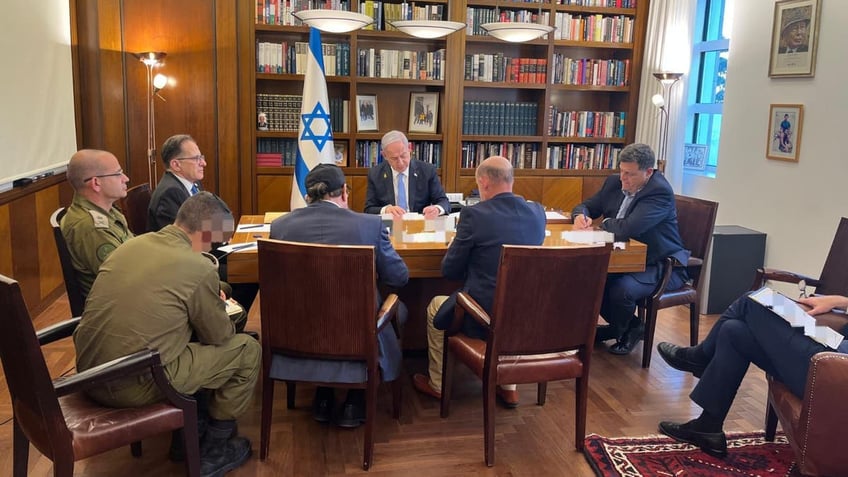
{"x":69,"y":273}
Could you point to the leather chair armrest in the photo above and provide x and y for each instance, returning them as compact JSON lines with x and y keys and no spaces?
{"x":129,"y":365}
{"x":466,"y":304}
{"x":824,"y":402}
{"x":667,"y":267}
{"x":764,"y":274}
{"x":58,"y":331}
{"x":388,"y":314}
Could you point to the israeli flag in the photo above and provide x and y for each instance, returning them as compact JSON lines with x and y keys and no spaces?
{"x":314,"y":133}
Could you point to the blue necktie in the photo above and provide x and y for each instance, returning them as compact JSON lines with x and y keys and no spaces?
{"x":625,"y":204}
{"x":194,"y":189}
{"x":401,"y":198}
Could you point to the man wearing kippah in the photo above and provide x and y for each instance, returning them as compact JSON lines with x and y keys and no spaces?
{"x":327,"y":220}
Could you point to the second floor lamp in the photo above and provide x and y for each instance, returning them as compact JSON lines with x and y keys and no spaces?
{"x":663,"y":102}
{"x":152,"y":59}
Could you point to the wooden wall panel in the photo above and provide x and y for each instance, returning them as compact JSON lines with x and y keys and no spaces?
{"x":5,"y":242}
{"x":591,"y":185}
{"x":273,"y":193}
{"x":49,"y":268}
{"x":22,"y":220}
{"x":226,"y":70}
{"x":359,"y":189}
{"x":562,"y":193}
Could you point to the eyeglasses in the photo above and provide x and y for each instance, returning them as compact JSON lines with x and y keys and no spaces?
{"x":114,"y":174}
{"x":197,"y":158}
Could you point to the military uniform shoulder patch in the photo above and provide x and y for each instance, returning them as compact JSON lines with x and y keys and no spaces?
{"x":104,"y":250}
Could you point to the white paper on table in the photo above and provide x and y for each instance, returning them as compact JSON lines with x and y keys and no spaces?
{"x":553,"y":215}
{"x":587,"y":236}
{"x":237,"y":247}
{"x":619,"y":245}
{"x":421,"y":237}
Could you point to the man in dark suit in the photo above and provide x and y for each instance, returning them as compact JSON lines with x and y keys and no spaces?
{"x":328,"y":220}
{"x":638,"y":203}
{"x":747,"y":332}
{"x":399,"y":185}
{"x":184,"y":166}
{"x":474,"y":255}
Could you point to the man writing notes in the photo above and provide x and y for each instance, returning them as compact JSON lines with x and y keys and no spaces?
{"x":474,"y":255}
{"x":399,"y":185}
{"x":327,"y":220}
{"x":92,"y":226}
{"x":128,"y":311}
{"x":747,"y":332}
{"x":184,"y":169}
{"x":638,"y":203}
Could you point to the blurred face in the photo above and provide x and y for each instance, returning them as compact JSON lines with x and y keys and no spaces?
{"x":632,"y":179}
{"x":796,"y":35}
{"x":111,"y":182}
{"x":397,"y":156}
{"x":218,"y":229}
{"x":190,"y":163}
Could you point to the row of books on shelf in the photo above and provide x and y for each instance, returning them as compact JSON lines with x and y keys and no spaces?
{"x":274,"y":152}
{"x":522,"y":155}
{"x":476,"y":16}
{"x":369,"y":153}
{"x":602,"y":124}
{"x":279,"y":12}
{"x":582,"y":156}
{"x":499,"y":118}
{"x":601,"y":28}
{"x":281,"y":112}
{"x":291,"y":58}
{"x":589,"y":71}
{"x":599,"y":3}
{"x":407,"y":64}
{"x":497,"y":68}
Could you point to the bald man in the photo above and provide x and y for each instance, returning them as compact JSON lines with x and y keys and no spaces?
{"x":92,"y":226}
{"x":474,"y":256}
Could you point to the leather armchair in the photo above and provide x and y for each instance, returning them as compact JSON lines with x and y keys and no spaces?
{"x":816,"y":425}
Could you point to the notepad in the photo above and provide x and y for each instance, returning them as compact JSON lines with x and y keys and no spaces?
{"x":797,"y":317}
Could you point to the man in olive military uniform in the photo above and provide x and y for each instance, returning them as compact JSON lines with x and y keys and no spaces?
{"x":92,"y":226}
{"x":128,"y":311}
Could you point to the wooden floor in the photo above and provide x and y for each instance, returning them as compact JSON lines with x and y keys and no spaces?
{"x":624,"y":400}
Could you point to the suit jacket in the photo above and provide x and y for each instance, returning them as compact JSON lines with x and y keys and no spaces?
{"x":325,"y":223}
{"x":166,"y":200}
{"x":650,"y":219}
{"x":475,"y":253}
{"x":424,"y":188}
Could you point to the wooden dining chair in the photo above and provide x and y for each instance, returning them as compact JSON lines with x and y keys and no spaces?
{"x":696,"y":221}
{"x":58,"y":418}
{"x":542,"y":328}
{"x":320,"y":302}
{"x":69,"y":273}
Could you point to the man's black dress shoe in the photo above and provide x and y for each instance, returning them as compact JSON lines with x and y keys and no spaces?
{"x":604,"y":333}
{"x":322,"y":409}
{"x":675,"y":356}
{"x":713,"y":443}
{"x":628,"y":340}
{"x":352,"y":416}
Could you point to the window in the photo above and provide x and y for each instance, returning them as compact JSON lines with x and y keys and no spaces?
{"x":707,"y":79}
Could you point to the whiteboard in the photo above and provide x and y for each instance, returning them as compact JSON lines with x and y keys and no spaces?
{"x":37,"y":129}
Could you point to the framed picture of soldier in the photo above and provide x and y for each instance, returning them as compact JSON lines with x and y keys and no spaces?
{"x":794,"y":38}
{"x":423,"y":112}
{"x":784,"y":134}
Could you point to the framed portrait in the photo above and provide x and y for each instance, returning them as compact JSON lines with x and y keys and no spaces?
{"x":423,"y":112}
{"x":794,"y":38}
{"x":784,"y":132}
{"x":340,"y":153}
{"x":366,"y":112}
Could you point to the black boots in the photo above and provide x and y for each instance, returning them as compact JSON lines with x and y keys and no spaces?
{"x":221,"y":450}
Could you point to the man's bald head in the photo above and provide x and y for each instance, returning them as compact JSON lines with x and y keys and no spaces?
{"x":494,"y":176}
{"x":97,"y":176}
{"x":87,"y":163}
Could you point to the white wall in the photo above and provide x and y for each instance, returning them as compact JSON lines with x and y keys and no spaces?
{"x":797,"y":204}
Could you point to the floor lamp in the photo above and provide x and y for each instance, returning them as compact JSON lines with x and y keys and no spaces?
{"x":663,"y":102}
{"x":152,"y":59}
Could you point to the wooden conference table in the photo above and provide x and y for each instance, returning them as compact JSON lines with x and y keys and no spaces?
{"x":424,"y":262}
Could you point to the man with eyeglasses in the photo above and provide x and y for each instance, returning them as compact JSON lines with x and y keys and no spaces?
{"x":184,"y":166}
{"x":636,"y":203}
{"x":93,"y":227}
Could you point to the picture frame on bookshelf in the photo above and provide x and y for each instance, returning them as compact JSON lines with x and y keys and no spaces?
{"x":794,"y":38}
{"x":340,"y":151}
{"x":423,"y":112}
{"x":784,"y":132}
{"x":366,"y":113}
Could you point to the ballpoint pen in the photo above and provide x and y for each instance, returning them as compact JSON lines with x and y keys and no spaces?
{"x":246,"y":227}
{"x":242,"y":247}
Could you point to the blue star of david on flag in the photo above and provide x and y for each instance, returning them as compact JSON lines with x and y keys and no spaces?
{"x":317,"y":138}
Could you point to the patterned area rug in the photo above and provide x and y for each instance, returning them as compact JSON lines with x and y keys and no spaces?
{"x":749,"y":454}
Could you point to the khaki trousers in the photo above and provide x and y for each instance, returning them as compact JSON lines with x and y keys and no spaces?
{"x":230,"y":370}
{"x":436,"y":345}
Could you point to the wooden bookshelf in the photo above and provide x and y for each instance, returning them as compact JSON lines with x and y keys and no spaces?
{"x":268,"y":188}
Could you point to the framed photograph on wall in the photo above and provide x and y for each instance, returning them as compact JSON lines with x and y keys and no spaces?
{"x":340,"y":153}
{"x":423,"y":112}
{"x":794,"y":38}
{"x":784,"y":132}
{"x":366,"y":112}
{"x":695,"y":156}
